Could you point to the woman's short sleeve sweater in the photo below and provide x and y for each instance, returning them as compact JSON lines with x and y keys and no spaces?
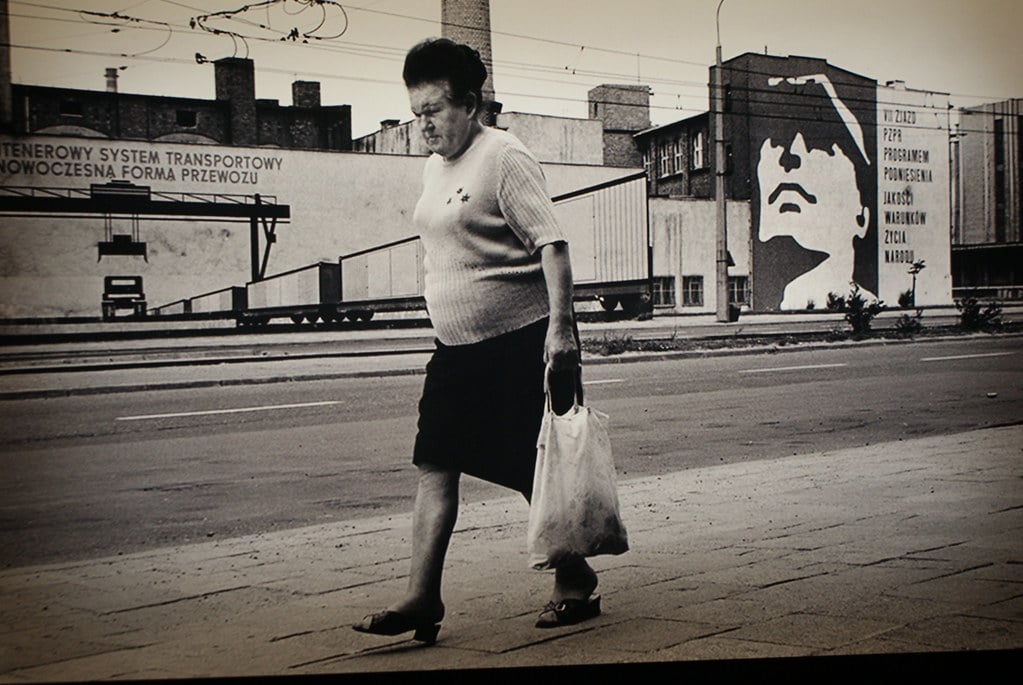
{"x":483,"y":218}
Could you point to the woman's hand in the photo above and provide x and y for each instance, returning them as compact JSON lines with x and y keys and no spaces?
{"x":560,"y":349}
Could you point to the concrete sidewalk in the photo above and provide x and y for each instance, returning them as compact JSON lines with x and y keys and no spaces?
{"x":900,"y":548}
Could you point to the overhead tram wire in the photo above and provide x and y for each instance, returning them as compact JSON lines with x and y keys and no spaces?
{"x":399,"y":51}
{"x":533,"y":38}
{"x":366,"y":50}
{"x":384,"y":50}
{"x":626,"y":53}
{"x":332,"y":76}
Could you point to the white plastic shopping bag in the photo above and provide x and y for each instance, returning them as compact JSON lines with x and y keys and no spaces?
{"x":574,"y":509}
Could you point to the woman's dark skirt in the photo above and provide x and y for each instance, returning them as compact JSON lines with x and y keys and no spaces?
{"x":482,"y":406}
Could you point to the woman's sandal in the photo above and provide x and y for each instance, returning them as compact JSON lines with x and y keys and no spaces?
{"x":394,"y":623}
{"x":568,"y":612}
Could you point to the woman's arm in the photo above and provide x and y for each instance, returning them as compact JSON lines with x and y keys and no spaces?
{"x":560,"y":350}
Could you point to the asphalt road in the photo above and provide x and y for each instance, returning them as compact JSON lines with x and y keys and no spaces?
{"x":97,"y":475}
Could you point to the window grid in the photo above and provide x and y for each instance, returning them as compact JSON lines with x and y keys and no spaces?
{"x":698,"y":145}
{"x":692,"y":291}
{"x":664,"y":291}
{"x":738,"y":290}
{"x":665,"y":160}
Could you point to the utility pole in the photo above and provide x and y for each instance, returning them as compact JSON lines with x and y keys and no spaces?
{"x":719,"y":180}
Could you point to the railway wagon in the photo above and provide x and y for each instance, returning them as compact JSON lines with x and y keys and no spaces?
{"x":223,"y":302}
{"x":310,"y":293}
{"x":608,"y":233}
{"x":607,"y":227}
{"x":178,"y":308}
{"x":386,"y":278}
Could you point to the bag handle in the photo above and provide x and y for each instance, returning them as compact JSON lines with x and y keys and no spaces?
{"x":577,"y":396}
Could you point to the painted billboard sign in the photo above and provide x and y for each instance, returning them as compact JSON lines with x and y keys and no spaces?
{"x":825,"y":184}
{"x":339,"y":202}
{"x":913,"y":195}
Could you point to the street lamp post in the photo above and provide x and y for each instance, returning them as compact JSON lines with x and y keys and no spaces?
{"x":719,"y":181}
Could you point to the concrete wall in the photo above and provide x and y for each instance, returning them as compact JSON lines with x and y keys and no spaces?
{"x":557,"y":139}
{"x":684,"y":236}
{"x":550,"y":139}
{"x":340,"y":202}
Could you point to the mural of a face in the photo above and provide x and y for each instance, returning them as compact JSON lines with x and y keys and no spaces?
{"x":810,"y":206}
{"x":812,"y":196}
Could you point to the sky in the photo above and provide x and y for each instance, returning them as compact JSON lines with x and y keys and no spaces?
{"x":547,"y":53}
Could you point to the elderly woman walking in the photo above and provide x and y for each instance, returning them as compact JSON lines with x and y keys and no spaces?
{"x":499,"y":295}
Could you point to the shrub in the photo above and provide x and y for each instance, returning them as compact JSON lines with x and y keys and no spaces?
{"x":609,"y":345}
{"x":860,"y":313}
{"x":906,"y":299}
{"x":836,"y":302}
{"x":974,"y":317}
{"x":908,"y":326}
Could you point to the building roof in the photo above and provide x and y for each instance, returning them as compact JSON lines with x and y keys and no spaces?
{"x":669,"y":125}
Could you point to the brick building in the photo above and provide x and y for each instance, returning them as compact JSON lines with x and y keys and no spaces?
{"x":677,"y":158}
{"x":624,"y":110}
{"x":234,"y":117}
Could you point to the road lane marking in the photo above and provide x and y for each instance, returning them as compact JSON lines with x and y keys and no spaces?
{"x":966,"y":356}
{"x":239,"y":410}
{"x":794,"y":368}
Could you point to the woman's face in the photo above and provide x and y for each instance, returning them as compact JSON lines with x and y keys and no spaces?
{"x":446,"y":126}
{"x":810,"y":195}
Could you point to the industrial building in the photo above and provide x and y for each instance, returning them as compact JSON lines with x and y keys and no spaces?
{"x":987,"y":217}
{"x":234,"y":118}
{"x":889,"y":182}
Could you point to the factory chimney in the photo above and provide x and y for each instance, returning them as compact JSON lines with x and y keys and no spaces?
{"x":468,"y":22}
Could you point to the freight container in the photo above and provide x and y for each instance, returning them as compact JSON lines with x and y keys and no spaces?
{"x":311,"y":293}
{"x":609,"y":242}
{"x":606,"y":226}
{"x":176,"y":308}
{"x":220,"y":303}
{"x":384,"y":278}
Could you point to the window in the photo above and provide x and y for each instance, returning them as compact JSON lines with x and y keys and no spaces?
{"x":71,"y":108}
{"x":664,"y":291}
{"x":680,"y":153}
{"x":698,"y":146}
{"x":665,"y":158}
{"x":738,"y":290}
{"x":186,"y":118}
{"x":692,"y":291}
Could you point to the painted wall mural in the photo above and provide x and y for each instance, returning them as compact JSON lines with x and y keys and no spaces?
{"x":822,"y":150}
{"x":813,"y":156}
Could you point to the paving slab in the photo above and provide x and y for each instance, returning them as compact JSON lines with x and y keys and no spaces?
{"x":885,"y":549}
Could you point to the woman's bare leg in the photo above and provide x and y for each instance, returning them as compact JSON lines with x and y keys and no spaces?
{"x":574,"y":580}
{"x":433,"y":521}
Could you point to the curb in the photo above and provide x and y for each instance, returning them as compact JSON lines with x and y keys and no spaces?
{"x":592,"y":360}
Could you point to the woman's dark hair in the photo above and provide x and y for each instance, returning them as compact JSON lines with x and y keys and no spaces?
{"x":441,"y":59}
